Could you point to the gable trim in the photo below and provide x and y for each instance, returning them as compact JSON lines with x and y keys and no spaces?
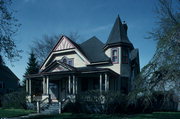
{"x":76,"y":50}
{"x":60,"y":41}
{"x":100,"y":63}
{"x":55,"y":63}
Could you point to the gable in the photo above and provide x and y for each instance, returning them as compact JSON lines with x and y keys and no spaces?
{"x":64,"y":44}
{"x":58,"y":66}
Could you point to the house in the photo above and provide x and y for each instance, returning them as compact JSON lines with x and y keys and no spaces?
{"x":8,"y":80}
{"x":71,"y":68}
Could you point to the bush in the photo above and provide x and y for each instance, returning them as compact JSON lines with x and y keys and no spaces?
{"x":116,"y":102}
{"x":94,"y":102}
{"x":154,"y":101}
{"x":14,"y":100}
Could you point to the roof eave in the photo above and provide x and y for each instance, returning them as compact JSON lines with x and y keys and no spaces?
{"x":118,"y":44}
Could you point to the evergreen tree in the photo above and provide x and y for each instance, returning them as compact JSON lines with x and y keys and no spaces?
{"x":32,"y":67}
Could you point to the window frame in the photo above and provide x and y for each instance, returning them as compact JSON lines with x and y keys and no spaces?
{"x":67,"y":60}
{"x":117,"y":49}
{"x":70,"y":59}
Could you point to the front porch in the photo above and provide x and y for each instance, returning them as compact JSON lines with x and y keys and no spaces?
{"x":58,"y":86}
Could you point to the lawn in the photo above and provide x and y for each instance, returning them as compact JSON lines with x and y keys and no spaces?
{"x":13,"y":112}
{"x":155,"y":115}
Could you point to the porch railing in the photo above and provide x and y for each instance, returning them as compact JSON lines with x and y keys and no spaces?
{"x":65,"y":102}
{"x":42,"y":104}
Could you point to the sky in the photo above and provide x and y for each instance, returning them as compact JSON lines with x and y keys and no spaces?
{"x":86,"y":17}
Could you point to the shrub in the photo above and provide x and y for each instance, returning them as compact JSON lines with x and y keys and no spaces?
{"x":14,"y":100}
{"x":94,"y":102}
{"x":153,"y":101}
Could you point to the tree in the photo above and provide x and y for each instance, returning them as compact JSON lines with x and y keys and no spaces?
{"x":33,"y":66}
{"x":43,"y":47}
{"x":8,"y":27}
{"x":165,"y":65}
{"x":74,"y":36}
{"x":163,"y":71}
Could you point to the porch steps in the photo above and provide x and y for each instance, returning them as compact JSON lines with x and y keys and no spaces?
{"x":52,"y":109}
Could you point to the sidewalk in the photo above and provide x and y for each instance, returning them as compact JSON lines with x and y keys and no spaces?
{"x":25,"y":116}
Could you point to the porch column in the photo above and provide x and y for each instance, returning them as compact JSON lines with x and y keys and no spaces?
{"x":76,"y":84}
{"x":73,"y":84}
{"x":29,"y":86}
{"x":44,"y":86}
{"x":100,"y":83}
{"x":47,"y":85}
{"x":69,"y":84}
{"x":106,"y":82}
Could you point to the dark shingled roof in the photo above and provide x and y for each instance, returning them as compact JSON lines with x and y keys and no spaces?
{"x":93,"y":50}
{"x":134,"y":54}
{"x":6,"y":73}
{"x":118,"y":33}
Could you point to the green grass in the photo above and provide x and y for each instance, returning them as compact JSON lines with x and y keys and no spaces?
{"x":13,"y":112}
{"x":155,"y":115}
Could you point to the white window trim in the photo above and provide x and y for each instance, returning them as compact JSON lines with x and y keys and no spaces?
{"x":117,"y":55}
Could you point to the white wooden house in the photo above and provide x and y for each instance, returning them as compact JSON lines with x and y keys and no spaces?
{"x":71,"y":68}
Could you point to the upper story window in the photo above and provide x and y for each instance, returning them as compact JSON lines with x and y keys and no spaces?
{"x":1,"y":84}
{"x":69,"y":61}
{"x":125,"y":56}
{"x":115,"y":55}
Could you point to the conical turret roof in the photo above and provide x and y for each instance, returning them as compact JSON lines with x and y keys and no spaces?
{"x":118,"y":34}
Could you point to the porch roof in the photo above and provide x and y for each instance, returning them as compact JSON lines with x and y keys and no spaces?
{"x":78,"y":71}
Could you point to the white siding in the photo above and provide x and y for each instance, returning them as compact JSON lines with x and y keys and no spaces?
{"x":115,"y":67}
{"x":78,"y":62}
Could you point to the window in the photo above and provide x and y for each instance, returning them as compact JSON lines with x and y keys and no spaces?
{"x":1,"y":84}
{"x":67,"y":61}
{"x":125,"y":56}
{"x":70,"y":62}
{"x":115,"y":55}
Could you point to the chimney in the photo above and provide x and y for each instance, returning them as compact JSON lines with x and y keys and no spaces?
{"x":125,"y":27}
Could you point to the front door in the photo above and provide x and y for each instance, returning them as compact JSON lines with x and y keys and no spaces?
{"x":53,"y":91}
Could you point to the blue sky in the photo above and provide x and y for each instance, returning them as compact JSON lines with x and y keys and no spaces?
{"x":88,"y":18}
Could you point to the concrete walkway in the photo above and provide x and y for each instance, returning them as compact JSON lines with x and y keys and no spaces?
{"x":25,"y":116}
